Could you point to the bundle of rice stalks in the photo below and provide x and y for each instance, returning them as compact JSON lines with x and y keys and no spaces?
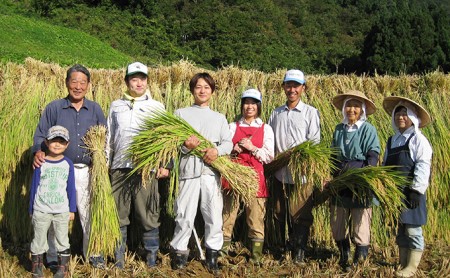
{"x":159,"y":141}
{"x":384,"y":182}
{"x":310,"y":165}
{"x":105,"y":229}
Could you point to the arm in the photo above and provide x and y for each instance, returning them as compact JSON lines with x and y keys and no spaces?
{"x":110,"y":137}
{"x":265,"y":154}
{"x":422,"y":155}
{"x":47,"y":120}
{"x":71,"y":192}
{"x":314,"y":127}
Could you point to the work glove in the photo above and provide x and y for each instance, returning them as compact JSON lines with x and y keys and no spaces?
{"x":413,"y":199}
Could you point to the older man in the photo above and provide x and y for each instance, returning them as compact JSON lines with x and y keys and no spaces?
{"x":77,"y":114}
{"x":125,"y":118}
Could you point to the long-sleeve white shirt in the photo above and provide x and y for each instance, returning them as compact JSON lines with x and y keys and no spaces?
{"x":420,"y":151}
{"x":265,"y":154}
{"x":291,"y":128}
{"x":125,"y":120}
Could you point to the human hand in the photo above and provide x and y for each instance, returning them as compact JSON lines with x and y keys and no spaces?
{"x":71,"y":216}
{"x":237,"y":149}
{"x":210,"y":155}
{"x":162,"y":173}
{"x":414,"y":199}
{"x":192,"y":142}
{"x":39,"y":159}
{"x":247,"y":144}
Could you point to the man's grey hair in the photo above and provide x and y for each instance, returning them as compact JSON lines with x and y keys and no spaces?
{"x":78,"y":68}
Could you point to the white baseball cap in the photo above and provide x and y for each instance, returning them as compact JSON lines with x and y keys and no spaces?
{"x":136,"y":67}
{"x":252,"y":93}
{"x":58,"y":131}
{"x":294,"y":75}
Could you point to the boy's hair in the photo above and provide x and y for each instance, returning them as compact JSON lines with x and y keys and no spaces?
{"x":208,"y":78}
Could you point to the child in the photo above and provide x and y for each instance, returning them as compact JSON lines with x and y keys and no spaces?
{"x":52,"y":201}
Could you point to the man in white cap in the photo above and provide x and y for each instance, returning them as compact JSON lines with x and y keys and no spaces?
{"x":125,"y":117}
{"x":293,"y":123}
{"x":410,"y":150}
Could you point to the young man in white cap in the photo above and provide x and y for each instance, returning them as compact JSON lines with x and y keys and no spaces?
{"x":253,"y":143}
{"x":409,"y":149}
{"x":293,"y":123}
{"x":125,"y":117}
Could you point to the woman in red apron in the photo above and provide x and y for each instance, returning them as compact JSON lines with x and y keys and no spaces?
{"x":409,"y":149}
{"x":253,"y":146}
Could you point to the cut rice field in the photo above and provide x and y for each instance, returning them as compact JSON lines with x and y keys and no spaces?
{"x":27,"y":88}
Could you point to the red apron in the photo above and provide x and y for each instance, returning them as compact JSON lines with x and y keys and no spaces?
{"x":256,"y":134}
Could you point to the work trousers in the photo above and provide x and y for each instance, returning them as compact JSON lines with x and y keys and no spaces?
{"x":255,"y":212}
{"x":360,"y":218}
{"x":41,"y":223}
{"x":207,"y":188}
{"x":410,"y":236}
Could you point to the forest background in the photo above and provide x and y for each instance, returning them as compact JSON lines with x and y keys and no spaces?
{"x":320,"y":37}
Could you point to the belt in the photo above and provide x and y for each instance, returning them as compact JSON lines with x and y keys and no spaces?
{"x":80,"y":165}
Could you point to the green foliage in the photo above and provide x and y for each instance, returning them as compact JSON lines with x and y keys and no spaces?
{"x":21,"y":37}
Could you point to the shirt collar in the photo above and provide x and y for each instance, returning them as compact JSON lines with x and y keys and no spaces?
{"x":68,"y":104}
{"x":300,"y":105}
{"x":258,"y":121}
{"x":407,"y":133}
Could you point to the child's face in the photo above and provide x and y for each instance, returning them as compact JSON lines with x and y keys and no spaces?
{"x":56,"y":146}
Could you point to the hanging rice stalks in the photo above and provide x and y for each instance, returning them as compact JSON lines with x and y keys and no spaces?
{"x":159,"y":142}
{"x":310,"y":165}
{"x":105,"y":229}
{"x":384,"y":182}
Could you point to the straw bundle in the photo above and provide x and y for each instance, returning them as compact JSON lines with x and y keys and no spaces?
{"x":105,"y":229}
{"x":310,"y":165}
{"x":382,"y":181}
{"x":159,"y":142}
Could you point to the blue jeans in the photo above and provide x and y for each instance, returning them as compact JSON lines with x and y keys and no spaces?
{"x":410,"y":236}
{"x":41,"y":224}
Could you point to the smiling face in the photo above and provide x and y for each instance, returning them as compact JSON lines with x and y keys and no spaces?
{"x":353,"y":110}
{"x":56,"y":146}
{"x":202,"y":93}
{"x":77,"y":86}
{"x":402,"y":121}
{"x":293,"y":91}
{"x":137,"y":84}
{"x":250,"y":109}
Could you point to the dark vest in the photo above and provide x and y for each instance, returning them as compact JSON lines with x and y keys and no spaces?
{"x":400,"y":156}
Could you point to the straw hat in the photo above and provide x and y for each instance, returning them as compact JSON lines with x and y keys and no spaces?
{"x":338,"y":101}
{"x":389,"y":104}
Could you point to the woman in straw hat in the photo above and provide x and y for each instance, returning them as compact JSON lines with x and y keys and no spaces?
{"x":253,"y":146}
{"x":410,"y":150}
{"x":358,"y":146}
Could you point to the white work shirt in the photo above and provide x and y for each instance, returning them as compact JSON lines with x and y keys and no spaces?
{"x":265,"y":154}
{"x":291,"y":128}
{"x":420,"y":151}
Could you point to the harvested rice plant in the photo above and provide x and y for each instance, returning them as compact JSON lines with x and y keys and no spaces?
{"x":26,"y":89}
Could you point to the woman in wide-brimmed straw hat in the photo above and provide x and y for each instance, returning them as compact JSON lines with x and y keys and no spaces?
{"x":359,"y":146}
{"x":410,"y":149}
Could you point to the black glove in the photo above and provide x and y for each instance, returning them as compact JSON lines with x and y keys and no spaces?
{"x":413,"y":199}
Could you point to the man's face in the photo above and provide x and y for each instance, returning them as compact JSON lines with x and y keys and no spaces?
{"x":137,"y":84}
{"x":293,"y":91}
{"x":77,"y":86}
{"x":202,"y":93}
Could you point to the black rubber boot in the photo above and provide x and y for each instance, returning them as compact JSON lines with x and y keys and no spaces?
{"x":211,"y":260}
{"x":344,"y":252}
{"x":119,"y":253}
{"x":36,"y":265}
{"x":63,"y":264}
{"x":361,"y":253}
{"x":179,"y":259}
{"x":151,"y":246}
{"x":300,"y":241}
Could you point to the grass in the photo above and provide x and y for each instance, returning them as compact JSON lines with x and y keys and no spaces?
{"x":22,"y":37}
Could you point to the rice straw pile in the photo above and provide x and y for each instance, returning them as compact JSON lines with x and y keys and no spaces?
{"x":160,"y":140}
{"x":309,"y":163}
{"x":104,"y":220}
{"x":383,"y":181}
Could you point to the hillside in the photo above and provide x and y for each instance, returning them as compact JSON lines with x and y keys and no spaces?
{"x":22,"y":37}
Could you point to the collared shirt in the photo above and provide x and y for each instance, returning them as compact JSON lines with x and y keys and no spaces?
{"x":420,"y":151}
{"x":124,"y":122}
{"x":293,"y":127}
{"x":61,"y":112}
{"x":264,"y":154}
